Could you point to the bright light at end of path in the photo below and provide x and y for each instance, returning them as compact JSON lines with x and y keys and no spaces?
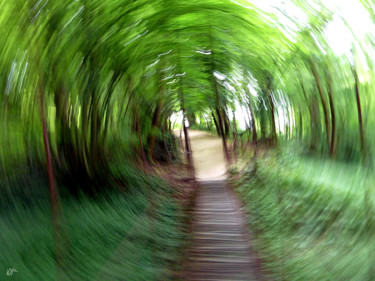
{"x":176,"y":119}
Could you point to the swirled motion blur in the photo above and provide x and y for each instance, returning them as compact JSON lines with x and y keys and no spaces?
{"x":97,"y":100}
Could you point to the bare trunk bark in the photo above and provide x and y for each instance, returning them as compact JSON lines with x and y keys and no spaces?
{"x":53,"y":191}
{"x":218,"y":129}
{"x":187,"y":145}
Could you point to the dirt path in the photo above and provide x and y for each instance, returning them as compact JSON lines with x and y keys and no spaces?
{"x":208,"y":156}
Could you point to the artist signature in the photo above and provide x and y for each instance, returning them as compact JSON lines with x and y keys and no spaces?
{"x":10,"y":271}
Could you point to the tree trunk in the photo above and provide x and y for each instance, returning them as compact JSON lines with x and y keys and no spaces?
{"x":181,"y":143}
{"x":274,"y":134}
{"x":138,"y":129}
{"x":154,"y":127}
{"x":216,"y":125}
{"x":165,"y":146}
{"x":251,"y":112}
{"x":169,"y":125}
{"x":96,"y":152}
{"x":263,"y":122}
{"x":314,"y":116}
{"x":333,"y":147}
{"x":187,"y":145}
{"x":268,"y":94}
{"x":217,"y":96}
{"x":315,"y":123}
{"x":192,"y":119}
{"x":188,"y":151}
{"x":234,"y":134}
{"x":208,"y":124}
{"x":324,"y":103}
{"x":224,"y":140}
{"x":226,"y":123}
{"x":253,"y":125}
{"x":54,"y":195}
{"x":360,"y":119}
{"x":106,"y":108}
{"x":300,"y":126}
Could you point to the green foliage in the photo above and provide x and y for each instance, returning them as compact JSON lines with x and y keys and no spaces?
{"x":313,"y":219}
{"x":109,"y":76}
{"x":102,"y":66}
{"x":136,"y":235}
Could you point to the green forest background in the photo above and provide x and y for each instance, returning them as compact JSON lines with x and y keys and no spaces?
{"x":95,"y":185}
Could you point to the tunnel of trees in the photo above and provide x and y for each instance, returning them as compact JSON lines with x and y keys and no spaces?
{"x":93,"y":93}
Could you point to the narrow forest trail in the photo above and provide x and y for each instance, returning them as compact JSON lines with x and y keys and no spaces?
{"x":219,"y":247}
{"x":208,"y":156}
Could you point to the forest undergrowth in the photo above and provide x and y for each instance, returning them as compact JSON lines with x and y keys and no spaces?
{"x":133,"y":232}
{"x":312,"y":218}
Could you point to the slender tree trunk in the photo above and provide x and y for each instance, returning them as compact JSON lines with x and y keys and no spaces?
{"x":360,"y":119}
{"x":181,"y":143}
{"x":188,"y":151}
{"x":218,"y":129}
{"x":300,"y":126}
{"x":95,"y":145}
{"x":192,"y":119}
{"x":333,"y":147}
{"x":208,"y":124}
{"x":315,"y":123}
{"x":51,"y":177}
{"x":106,"y":109}
{"x":53,"y":191}
{"x":218,"y":103}
{"x":314,"y":116}
{"x":274,"y":134}
{"x":226,"y":123}
{"x":165,"y":146}
{"x":154,"y":127}
{"x":187,"y":143}
{"x":263,"y":122}
{"x":268,"y":94}
{"x":224,"y":140}
{"x":251,"y":112}
{"x":247,"y":128}
{"x":138,"y":129}
{"x":169,"y":125}
{"x":234,"y":135}
{"x":324,"y":103}
{"x":253,"y":125}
